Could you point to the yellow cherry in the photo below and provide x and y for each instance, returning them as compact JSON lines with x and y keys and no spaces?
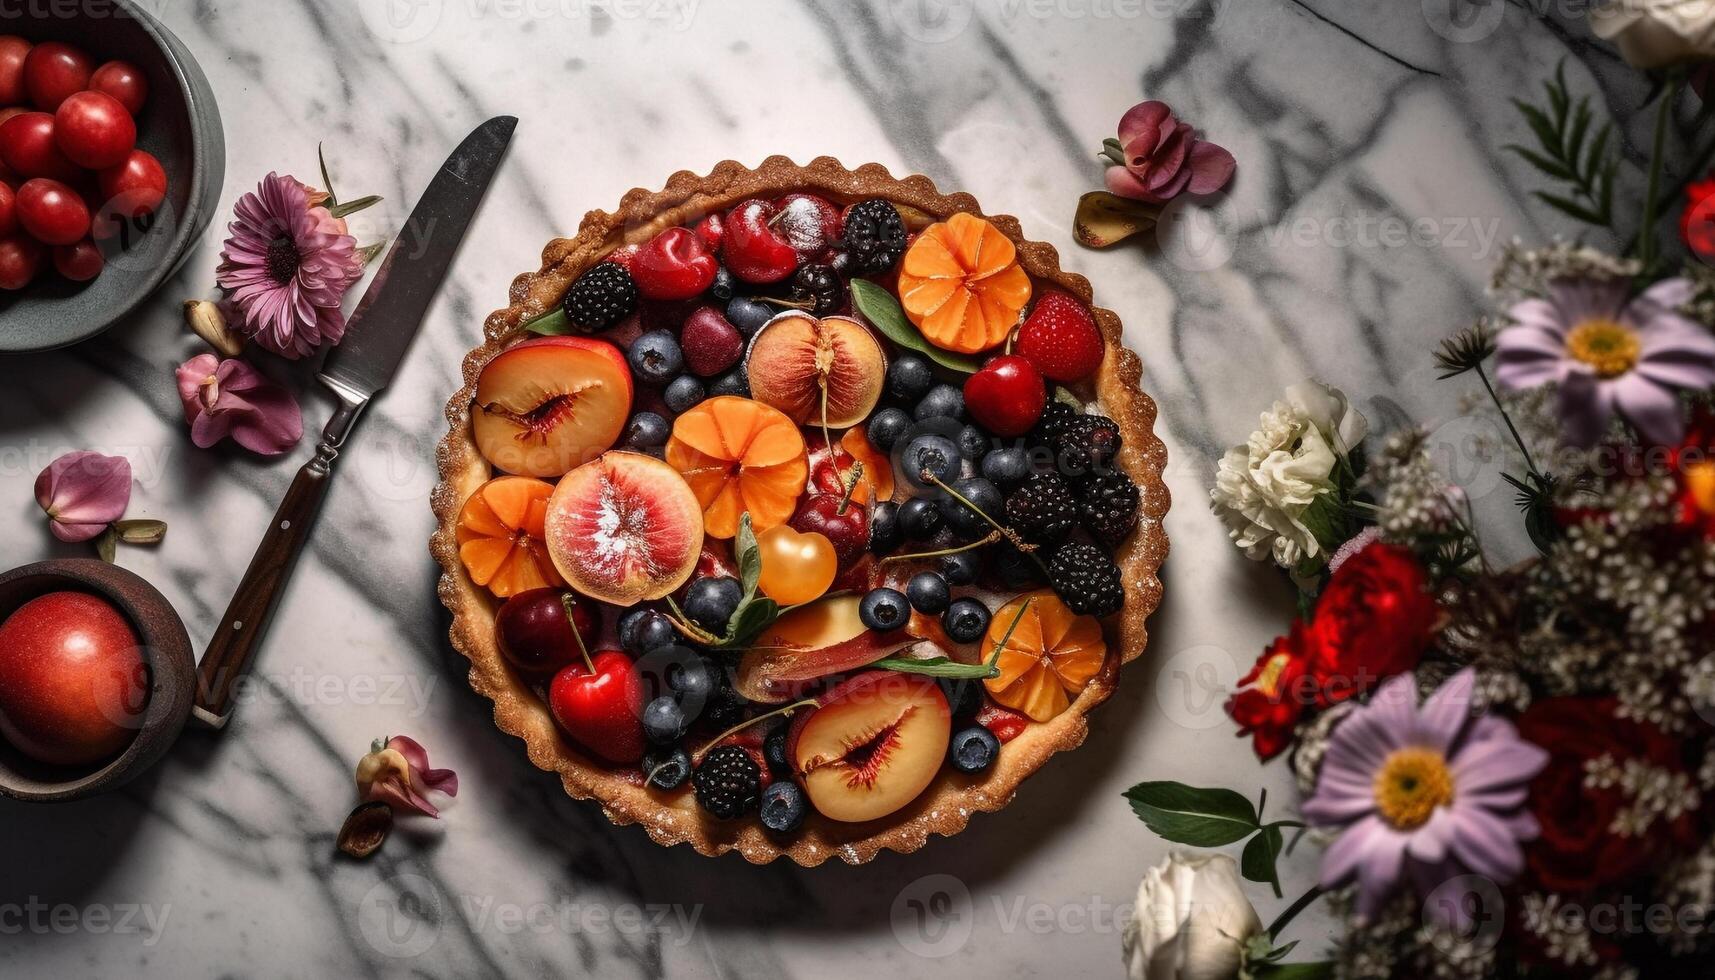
{"x":796,"y":567}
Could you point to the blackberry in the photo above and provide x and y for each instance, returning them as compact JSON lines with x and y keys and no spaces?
{"x":874,"y":237}
{"x":1085,"y":444}
{"x":1043,"y":509}
{"x":821,"y":286}
{"x":600,"y":298}
{"x":1108,"y":504}
{"x":1054,"y":417}
{"x":1087,"y":580}
{"x":727,"y":783}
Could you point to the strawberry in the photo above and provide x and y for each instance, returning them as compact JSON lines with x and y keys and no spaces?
{"x":1060,"y":338}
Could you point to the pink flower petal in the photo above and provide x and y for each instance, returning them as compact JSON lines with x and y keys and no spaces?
{"x":1144,"y":120}
{"x":1649,"y":408}
{"x":1211,"y":167}
{"x":1123,"y":183}
{"x":258,"y":414}
{"x":83,"y":492}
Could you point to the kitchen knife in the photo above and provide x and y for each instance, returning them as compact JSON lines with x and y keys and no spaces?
{"x":379,"y":333}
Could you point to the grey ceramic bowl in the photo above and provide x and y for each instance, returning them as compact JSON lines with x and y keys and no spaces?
{"x":180,"y":125}
{"x":166,"y":649}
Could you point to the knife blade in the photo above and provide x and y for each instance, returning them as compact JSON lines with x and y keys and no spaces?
{"x":376,"y":339}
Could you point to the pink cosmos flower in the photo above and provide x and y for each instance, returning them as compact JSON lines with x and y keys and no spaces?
{"x":1423,"y":793}
{"x":396,"y":772}
{"x":231,"y":398}
{"x":286,"y":267}
{"x":1609,"y":352}
{"x":1163,"y":159}
{"x":83,"y":492}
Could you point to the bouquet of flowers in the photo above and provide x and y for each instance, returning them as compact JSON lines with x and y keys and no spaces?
{"x":1506,"y":763}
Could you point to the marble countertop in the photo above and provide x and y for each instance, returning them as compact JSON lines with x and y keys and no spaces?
{"x":1369,"y":205}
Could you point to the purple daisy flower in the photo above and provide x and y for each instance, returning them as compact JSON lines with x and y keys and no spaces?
{"x":286,"y":267}
{"x":1609,"y":355}
{"x":1430,"y":793}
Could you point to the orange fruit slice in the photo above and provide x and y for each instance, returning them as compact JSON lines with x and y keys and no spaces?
{"x":739,"y":456}
{"x":1048,"y":659}
{"x":962,"y":285}
{"x":500,"y":536}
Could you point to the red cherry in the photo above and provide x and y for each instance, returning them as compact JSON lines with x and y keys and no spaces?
{"x":673,"y":265}
{"x":20,"y":260}
{"x":13,"y":51}
{"x":53,"y":71}
{"x":603,"y":708}
{"x":537,"y":636}
{"x":124,"y":81}
{"x":712,"y":230}
{"x":1061,"y":339}
{"x":1007,"y":396}
{"x":80,"y":261}
{"x":623,"y":255}
{"x":812,"y":224}
{"x":27,"y":146}
{"x":134,"y":188}
{"x":51,"y":212}
{"x":845,"y":523}
{"x":94,"y":130}
{"x":755,"y":250}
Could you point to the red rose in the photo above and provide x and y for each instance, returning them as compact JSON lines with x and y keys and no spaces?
{"x":1697,"y":223}
{"x":1372,"y":621}
{"x":1577,"y":851}
{"x":1693,"y":466}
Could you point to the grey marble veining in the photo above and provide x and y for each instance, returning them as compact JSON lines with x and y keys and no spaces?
{"x":1346,"y":119}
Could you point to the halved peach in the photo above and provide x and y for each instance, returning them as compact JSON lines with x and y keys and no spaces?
{"x":795,"y":358}
{"x":545,"y":406}
{"x":811,"y":642}
{"x":872,"y":744}
{"x":739,"y":456}
{"x":500,"y":532}
{"x":624,"y":528}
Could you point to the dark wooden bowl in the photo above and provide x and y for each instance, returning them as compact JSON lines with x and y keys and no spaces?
{"x":172,"y":674}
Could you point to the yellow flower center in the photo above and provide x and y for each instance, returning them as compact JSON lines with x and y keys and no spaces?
{"x":1268,"y":681}
{"x":1410,"y":785}
{"x":1609,"y":347}
{"x":1700,"y":481}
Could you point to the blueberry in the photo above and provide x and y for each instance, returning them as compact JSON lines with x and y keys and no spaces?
{"x":691,"y":679}
{"x":1006,"y":467}
{"x":965,"y":620}
{"x":774,"y":751}
{"x":973,"y":442}
{"x":667,"y":768}
{"x":964,"y":696}
{"x":962,"y":519}
{"x":973,"y":749}
{"x":883,"y":609}
{"x":646,"y":430}
{"x":909,"y":377}
{"x":683,"y":393}
{"x":927,"y":592}
{"x":942,"y":402}
{"x":959,"y":568}
{"x":645,"y":630}
{"x":748,"y":315}
{"x":919,"y":519}
{"x":886,"y":426}
{"x":723,"y":285}
{"x":726,"y":708}
{"x":937,"y":454}
{"x":734,"y":382}
{"x":655,"y":357}
{"x":663,"y":720}
{"x":711,"y":601}
{"x":885,"y":534}
{"x":783,"y":806}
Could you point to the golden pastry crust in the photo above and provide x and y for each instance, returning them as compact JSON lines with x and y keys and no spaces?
{"x":673,"y":817}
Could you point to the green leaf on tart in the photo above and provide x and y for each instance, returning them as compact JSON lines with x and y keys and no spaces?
{"x":878,"y":306}
{"x":937,"y":667}
{"x":1192,"y":815}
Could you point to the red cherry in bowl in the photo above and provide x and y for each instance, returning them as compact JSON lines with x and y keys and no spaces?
{"x":600,"y":703}
{"x":673,"y":265}
{"x":844,"y":522}
{"x":1007,"y":396}
{"x":539,"y":630}
{"x":28,"y":149}
{"x":94,"y":130}
{"x":53,"y":71}
{"x":73,"y":681}
{"x":51,"y":212}
{"x":755,"y":249}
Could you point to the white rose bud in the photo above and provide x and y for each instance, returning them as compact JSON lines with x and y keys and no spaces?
{"x":1657,"y":33}
{"x":1191,"y":921}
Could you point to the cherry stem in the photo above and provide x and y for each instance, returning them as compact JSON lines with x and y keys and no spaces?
{"x":691,"y":630}
{"x":1005,"y":637}
{"x":697,"y":756}
{"x":795,"y":304}
{"x":567,"y":603}
{"x":990,"y":538}
{"x":928,"y":476}
{"x":851,"y":485}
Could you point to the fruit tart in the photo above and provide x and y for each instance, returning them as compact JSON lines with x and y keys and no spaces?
{"x":799,"y":510}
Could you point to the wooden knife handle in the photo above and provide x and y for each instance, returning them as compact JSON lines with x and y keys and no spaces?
{"x":233,"y":646}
